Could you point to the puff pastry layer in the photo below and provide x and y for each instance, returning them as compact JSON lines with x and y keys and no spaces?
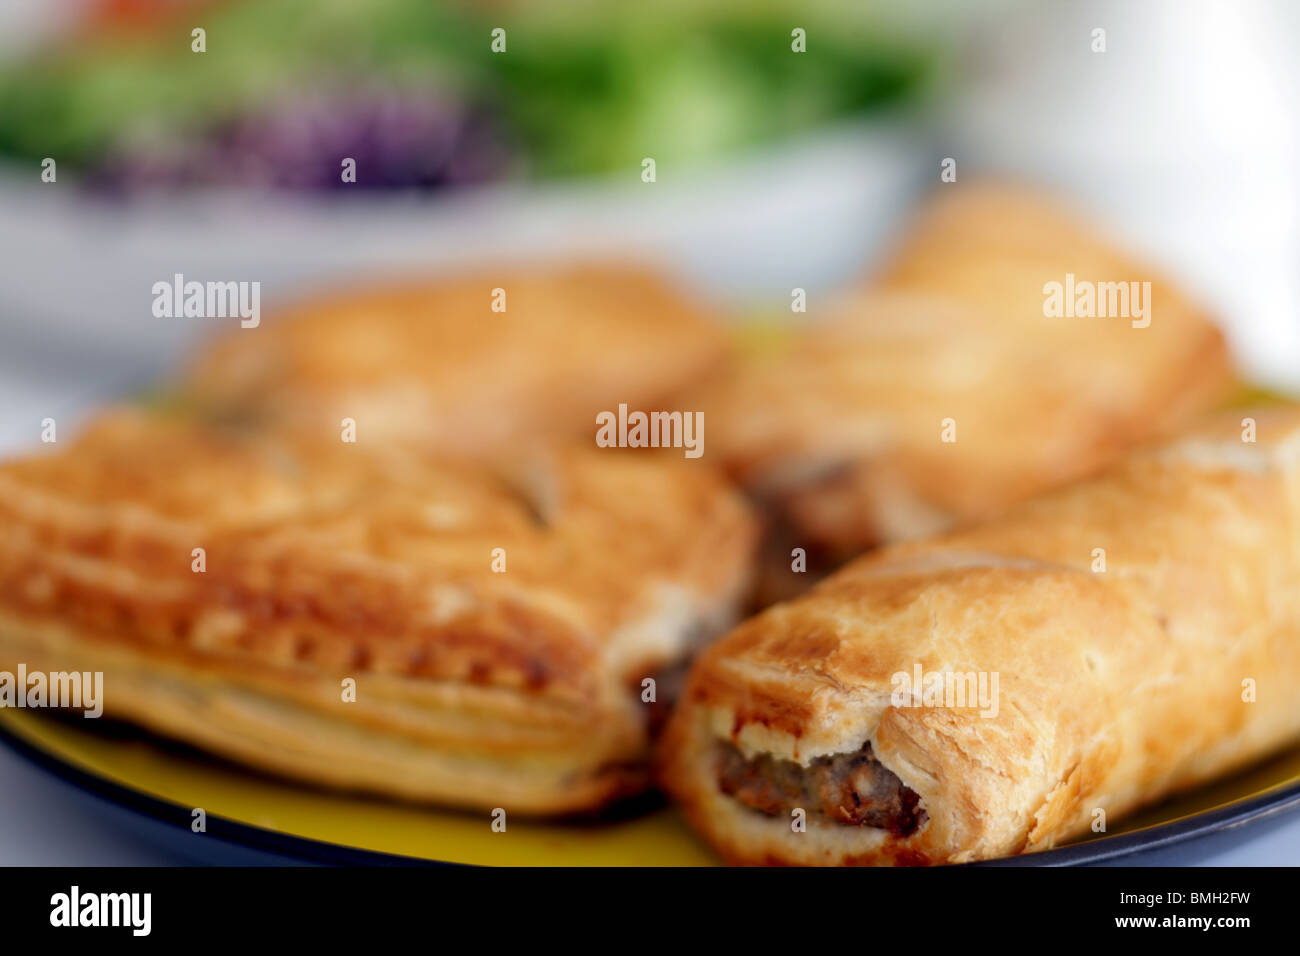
{"x":838,"y":425}
{"x":1143,"y":627}
{"x":326,"y":561}
{"x":431,"y":362}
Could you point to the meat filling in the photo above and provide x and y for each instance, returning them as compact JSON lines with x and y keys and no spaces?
{"x":851,"y":789}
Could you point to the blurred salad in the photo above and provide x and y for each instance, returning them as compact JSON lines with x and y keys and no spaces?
{"x":412,"y":91}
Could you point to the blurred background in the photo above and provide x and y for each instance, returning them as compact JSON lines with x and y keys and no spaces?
{"x":774,"y":169}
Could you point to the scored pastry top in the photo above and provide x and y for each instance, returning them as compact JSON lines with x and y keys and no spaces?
{"x":329,"y":555}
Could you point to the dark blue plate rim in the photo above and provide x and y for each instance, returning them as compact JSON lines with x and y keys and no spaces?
{"x":298,"y":849}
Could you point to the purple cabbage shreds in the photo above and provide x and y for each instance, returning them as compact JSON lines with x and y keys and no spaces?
{"x":398,"y":140}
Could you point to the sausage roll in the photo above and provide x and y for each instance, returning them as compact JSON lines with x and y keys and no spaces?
{"x":374,"y":620}
{"x":467,"y":364}
{"x":1001,"y":689}
{"x":941,"y":392}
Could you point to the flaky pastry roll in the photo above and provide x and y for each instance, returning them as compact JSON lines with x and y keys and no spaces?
{"x":939,"y":391}
{"x":467,"y":364}
{"x":1005,"y":688}
{"x":497,"y":628}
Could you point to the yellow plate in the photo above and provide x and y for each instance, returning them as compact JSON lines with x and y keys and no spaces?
{"x":188,"y":780}
{"x":124,"y":766}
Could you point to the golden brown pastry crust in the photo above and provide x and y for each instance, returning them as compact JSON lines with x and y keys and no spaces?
{"x":837,"y":425}
{"x":1116,"y":687}
{"x":429,"y":361}
{"x":330,"y":560}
